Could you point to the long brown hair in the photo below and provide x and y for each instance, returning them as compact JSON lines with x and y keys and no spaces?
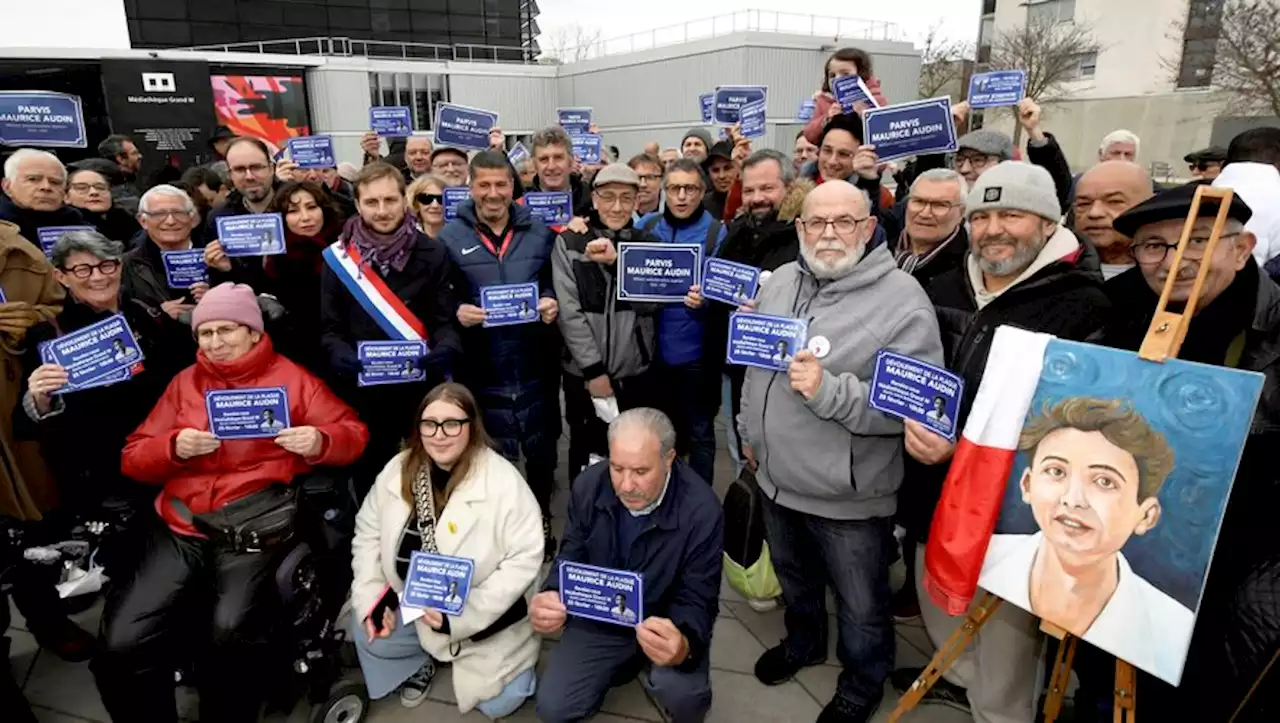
{"x":322,"y":196}
{"x":460,"y":397}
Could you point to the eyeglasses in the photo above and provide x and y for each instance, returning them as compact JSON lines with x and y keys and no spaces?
{"x":844,"y":225}
{"x":1203,"y":166}
{"x":220,"y":332}
{"x":650,"y":177}
{"x":180,"y":214}
{"x":450,"y":427}
{"x":256,"y":169}
{"x":686,"y":190}
{"x":448,"y":163}
{"x":1152,"y":253}
{"x":426,"y":199}
{"x":976,"y":161}
{"x":87,"y":187}
{"x":827,"y":153}
{"x":611,"y":199}
{"x":937,"y":208}
{"x":84,"y":271}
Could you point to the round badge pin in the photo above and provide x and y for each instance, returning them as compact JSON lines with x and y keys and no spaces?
{"x":820,"y":346}
{"x":764,"y":276}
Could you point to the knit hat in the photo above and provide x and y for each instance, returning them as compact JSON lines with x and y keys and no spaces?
{"x":1018,"y":186}
{"x":228,"y":302}
{"x":701,"y":134}
{"x":989,"y":143}
{"x":616,"y":173}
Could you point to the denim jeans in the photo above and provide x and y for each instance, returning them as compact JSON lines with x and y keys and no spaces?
{"x":692,"y":401}
{"x":852,"y":556}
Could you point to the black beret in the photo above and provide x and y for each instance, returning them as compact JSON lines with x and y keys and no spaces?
{"x":1212,"y":153}
{"x":1175,"y":203}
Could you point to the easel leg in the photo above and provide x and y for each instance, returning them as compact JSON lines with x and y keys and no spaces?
{"x":1061,"y":678}
{"x":946,"y":655}
{"x":1126,"y":704}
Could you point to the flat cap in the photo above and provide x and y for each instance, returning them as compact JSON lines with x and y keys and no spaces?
{"x":1216,"y":154}
{"x":1175,"y":203}
{"x":616,"y":173}
{"x":989,"y":143}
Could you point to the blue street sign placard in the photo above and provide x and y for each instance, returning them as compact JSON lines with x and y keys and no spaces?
{"x":575,"y":121}
{"x":97,"y":350}
{"x":911,"y":389}
{"x":517,"y":155}
{"x":390,"y":362}
{"x":553,"y":208}
{"x":707,"y":104}
{"x":183,"y":269}
{"x":850,"y":89}
{"x":751,"y":119}
{"x":120,"y":375}
{"x":508,"y":304}
{"x":806,"y":111}
{"x":391,"y":120}
{"x":247,"y":413}
{"x":453,"y":197}
{"x":256,"y":234}
{"x":658,"y":272}
{"x":602,"y":594}
{"x":997,"y":88}
{"x":910,"y":129}
{"x":41,"y":118}
{"x":312,"y":152}
{"x":730,"y":99}
{"x":761,"y":340}
{"x":463,"y":127}
{"x":438,"y":582}
{"x":587,"y":147}
{"x":729,"y":282}
{"x":48,"y":236}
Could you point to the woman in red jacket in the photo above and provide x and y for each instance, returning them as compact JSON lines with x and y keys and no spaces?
{"x":202,"y":585}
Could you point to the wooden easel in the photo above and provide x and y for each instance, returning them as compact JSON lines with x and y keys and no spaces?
{"x":1163,"y":341}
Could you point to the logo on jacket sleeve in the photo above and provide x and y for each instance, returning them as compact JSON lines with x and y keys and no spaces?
{"x":991,"y":195}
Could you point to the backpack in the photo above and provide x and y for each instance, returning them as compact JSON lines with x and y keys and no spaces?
{"x":747,"y":566}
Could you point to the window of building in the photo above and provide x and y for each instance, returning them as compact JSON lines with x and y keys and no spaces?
{"x":1086,"y":66}
{"x":1200,"y":43}
{"x":988,"y":7}
{"x":1051,"y":12}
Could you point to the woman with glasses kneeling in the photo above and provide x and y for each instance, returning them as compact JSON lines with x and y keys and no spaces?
{"x":449,"y":493}
{"x":203,"y":588}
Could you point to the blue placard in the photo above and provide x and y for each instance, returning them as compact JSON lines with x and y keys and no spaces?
{"x":601,"y":594}
{"x":463,"y":127}
{"x":587,"y":147}
{"x":247,"y":413}
{"x":453,"y":196}
{"x":312,"y":152}
{"x":96,"y":350}
{"x":761,"y":340}
{"x":575,"y":121}
{"x":997,"y":88}
{"x":807,"y":109}
{"x":390,"y":362}
{"x":508,"y":304}
{"x":3,"y":299}
{"x":658,"y":272}
{"x":707,"y":104}
{"x":120,"y":375}
{"x":257,"y":234}
{"x":850,"y":89}
{"x":391,"y":120}
{"x":731,"y":98}
{"x":729,"y":281}
{"x":911,"y":389}
{"x":437,"y":582}
{"x":553,"y":208}
{"x":183,"y":269}
{"x":751,"y":119}
{"x":49,"y":235}
{"x":517,"y":155}
{"x":41,"y":118}
{"x":910,"y":129}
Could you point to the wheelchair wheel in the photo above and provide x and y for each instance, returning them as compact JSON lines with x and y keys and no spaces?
{"x":348,"y":703}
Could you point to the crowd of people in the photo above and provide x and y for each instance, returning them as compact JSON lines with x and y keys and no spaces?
{"x":988,"y":236}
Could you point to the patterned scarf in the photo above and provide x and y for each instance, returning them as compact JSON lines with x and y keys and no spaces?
{"x":425,"y":505}
{"x":382,"y":251}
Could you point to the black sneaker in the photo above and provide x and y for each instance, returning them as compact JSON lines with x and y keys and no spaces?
{"x":943,"y":692}
{"x":550,"y":546}
{"x":779,"y":664}
{"x":414,"y":691}
{"x":841,"y":710}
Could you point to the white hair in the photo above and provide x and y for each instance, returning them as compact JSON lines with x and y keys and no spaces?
{"x":164,"y":189}
{"x":650,"y":420}
{"x":22,"y":155}
{"x":944,"y":175}
{"x":1119,"y":136}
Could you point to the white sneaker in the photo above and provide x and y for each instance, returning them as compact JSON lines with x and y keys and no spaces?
{"x":414,"y":691}
{"x":764,"y":606}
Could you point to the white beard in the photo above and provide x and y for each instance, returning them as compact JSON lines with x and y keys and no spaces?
{"x":836,"y":269}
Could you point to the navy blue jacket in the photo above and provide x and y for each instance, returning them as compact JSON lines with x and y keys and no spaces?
{"x":679,"y":553}
{"x":681,"y":329}
{"x":507,"y":357}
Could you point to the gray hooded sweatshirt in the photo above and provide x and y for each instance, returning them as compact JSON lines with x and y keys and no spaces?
{"x":834,"y":456}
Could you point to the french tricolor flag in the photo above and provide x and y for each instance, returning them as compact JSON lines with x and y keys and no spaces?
{"x":972,"y":494}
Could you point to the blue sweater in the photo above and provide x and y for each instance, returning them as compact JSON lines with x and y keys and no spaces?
{"x":680,"y":329}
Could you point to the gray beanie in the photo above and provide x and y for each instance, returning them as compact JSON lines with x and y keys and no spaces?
{"x":701,"y":134}
{"x":1017,"y":186}
{"x":989,"y":143}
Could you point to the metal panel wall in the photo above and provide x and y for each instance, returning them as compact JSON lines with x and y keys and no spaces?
{"x":523,"y":103}
{"x":339,"y":100}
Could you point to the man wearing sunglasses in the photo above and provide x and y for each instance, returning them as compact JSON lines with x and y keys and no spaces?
{"x":1206,"y":163}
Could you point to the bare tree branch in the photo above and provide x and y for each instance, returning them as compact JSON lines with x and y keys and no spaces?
{"x":1049,"y":52}
{"x":568,"y":44}
{"x":944,"y":65}
{"x":1247,"y":65}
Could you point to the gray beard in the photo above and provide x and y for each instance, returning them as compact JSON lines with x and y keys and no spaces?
{"x":1015,"y":264}
{"x":827,"y":272}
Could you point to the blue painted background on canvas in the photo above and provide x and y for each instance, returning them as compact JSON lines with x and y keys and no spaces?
{"x":1204,"y":413}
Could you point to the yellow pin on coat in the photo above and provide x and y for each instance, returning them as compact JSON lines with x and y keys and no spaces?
{"x":453,"y":529}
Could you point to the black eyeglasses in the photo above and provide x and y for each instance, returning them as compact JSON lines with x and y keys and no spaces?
{"x":426,"y":199}
{"x":450,"y":427}
{"x":84,"y":271}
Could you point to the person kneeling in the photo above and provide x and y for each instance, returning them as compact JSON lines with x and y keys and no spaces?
{"x":644,"y":512}
{"x":448,"y":494}
{"x":202,"y":590}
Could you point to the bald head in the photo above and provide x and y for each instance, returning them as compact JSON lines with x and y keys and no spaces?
{"x":1103,"y":193}
{"x":838,"y":193}
{"x":833,"y":248}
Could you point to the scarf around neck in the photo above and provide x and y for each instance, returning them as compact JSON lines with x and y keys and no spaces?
{"x":379,"y":250}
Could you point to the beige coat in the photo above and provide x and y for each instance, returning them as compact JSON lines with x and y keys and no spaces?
{"x":492,"y":519}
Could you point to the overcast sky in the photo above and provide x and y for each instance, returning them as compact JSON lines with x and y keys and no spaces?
{"x":958,"y":18}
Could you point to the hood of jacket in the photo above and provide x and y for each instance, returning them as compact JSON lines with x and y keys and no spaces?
{"x":17,"y":249}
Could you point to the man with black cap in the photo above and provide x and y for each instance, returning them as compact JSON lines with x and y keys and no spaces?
{"x":448,"y":164}
{"x":1236,"y":323}
{"x":723,"y":173}
{"x":696,"y":144}
{"x":1206,"y":163}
